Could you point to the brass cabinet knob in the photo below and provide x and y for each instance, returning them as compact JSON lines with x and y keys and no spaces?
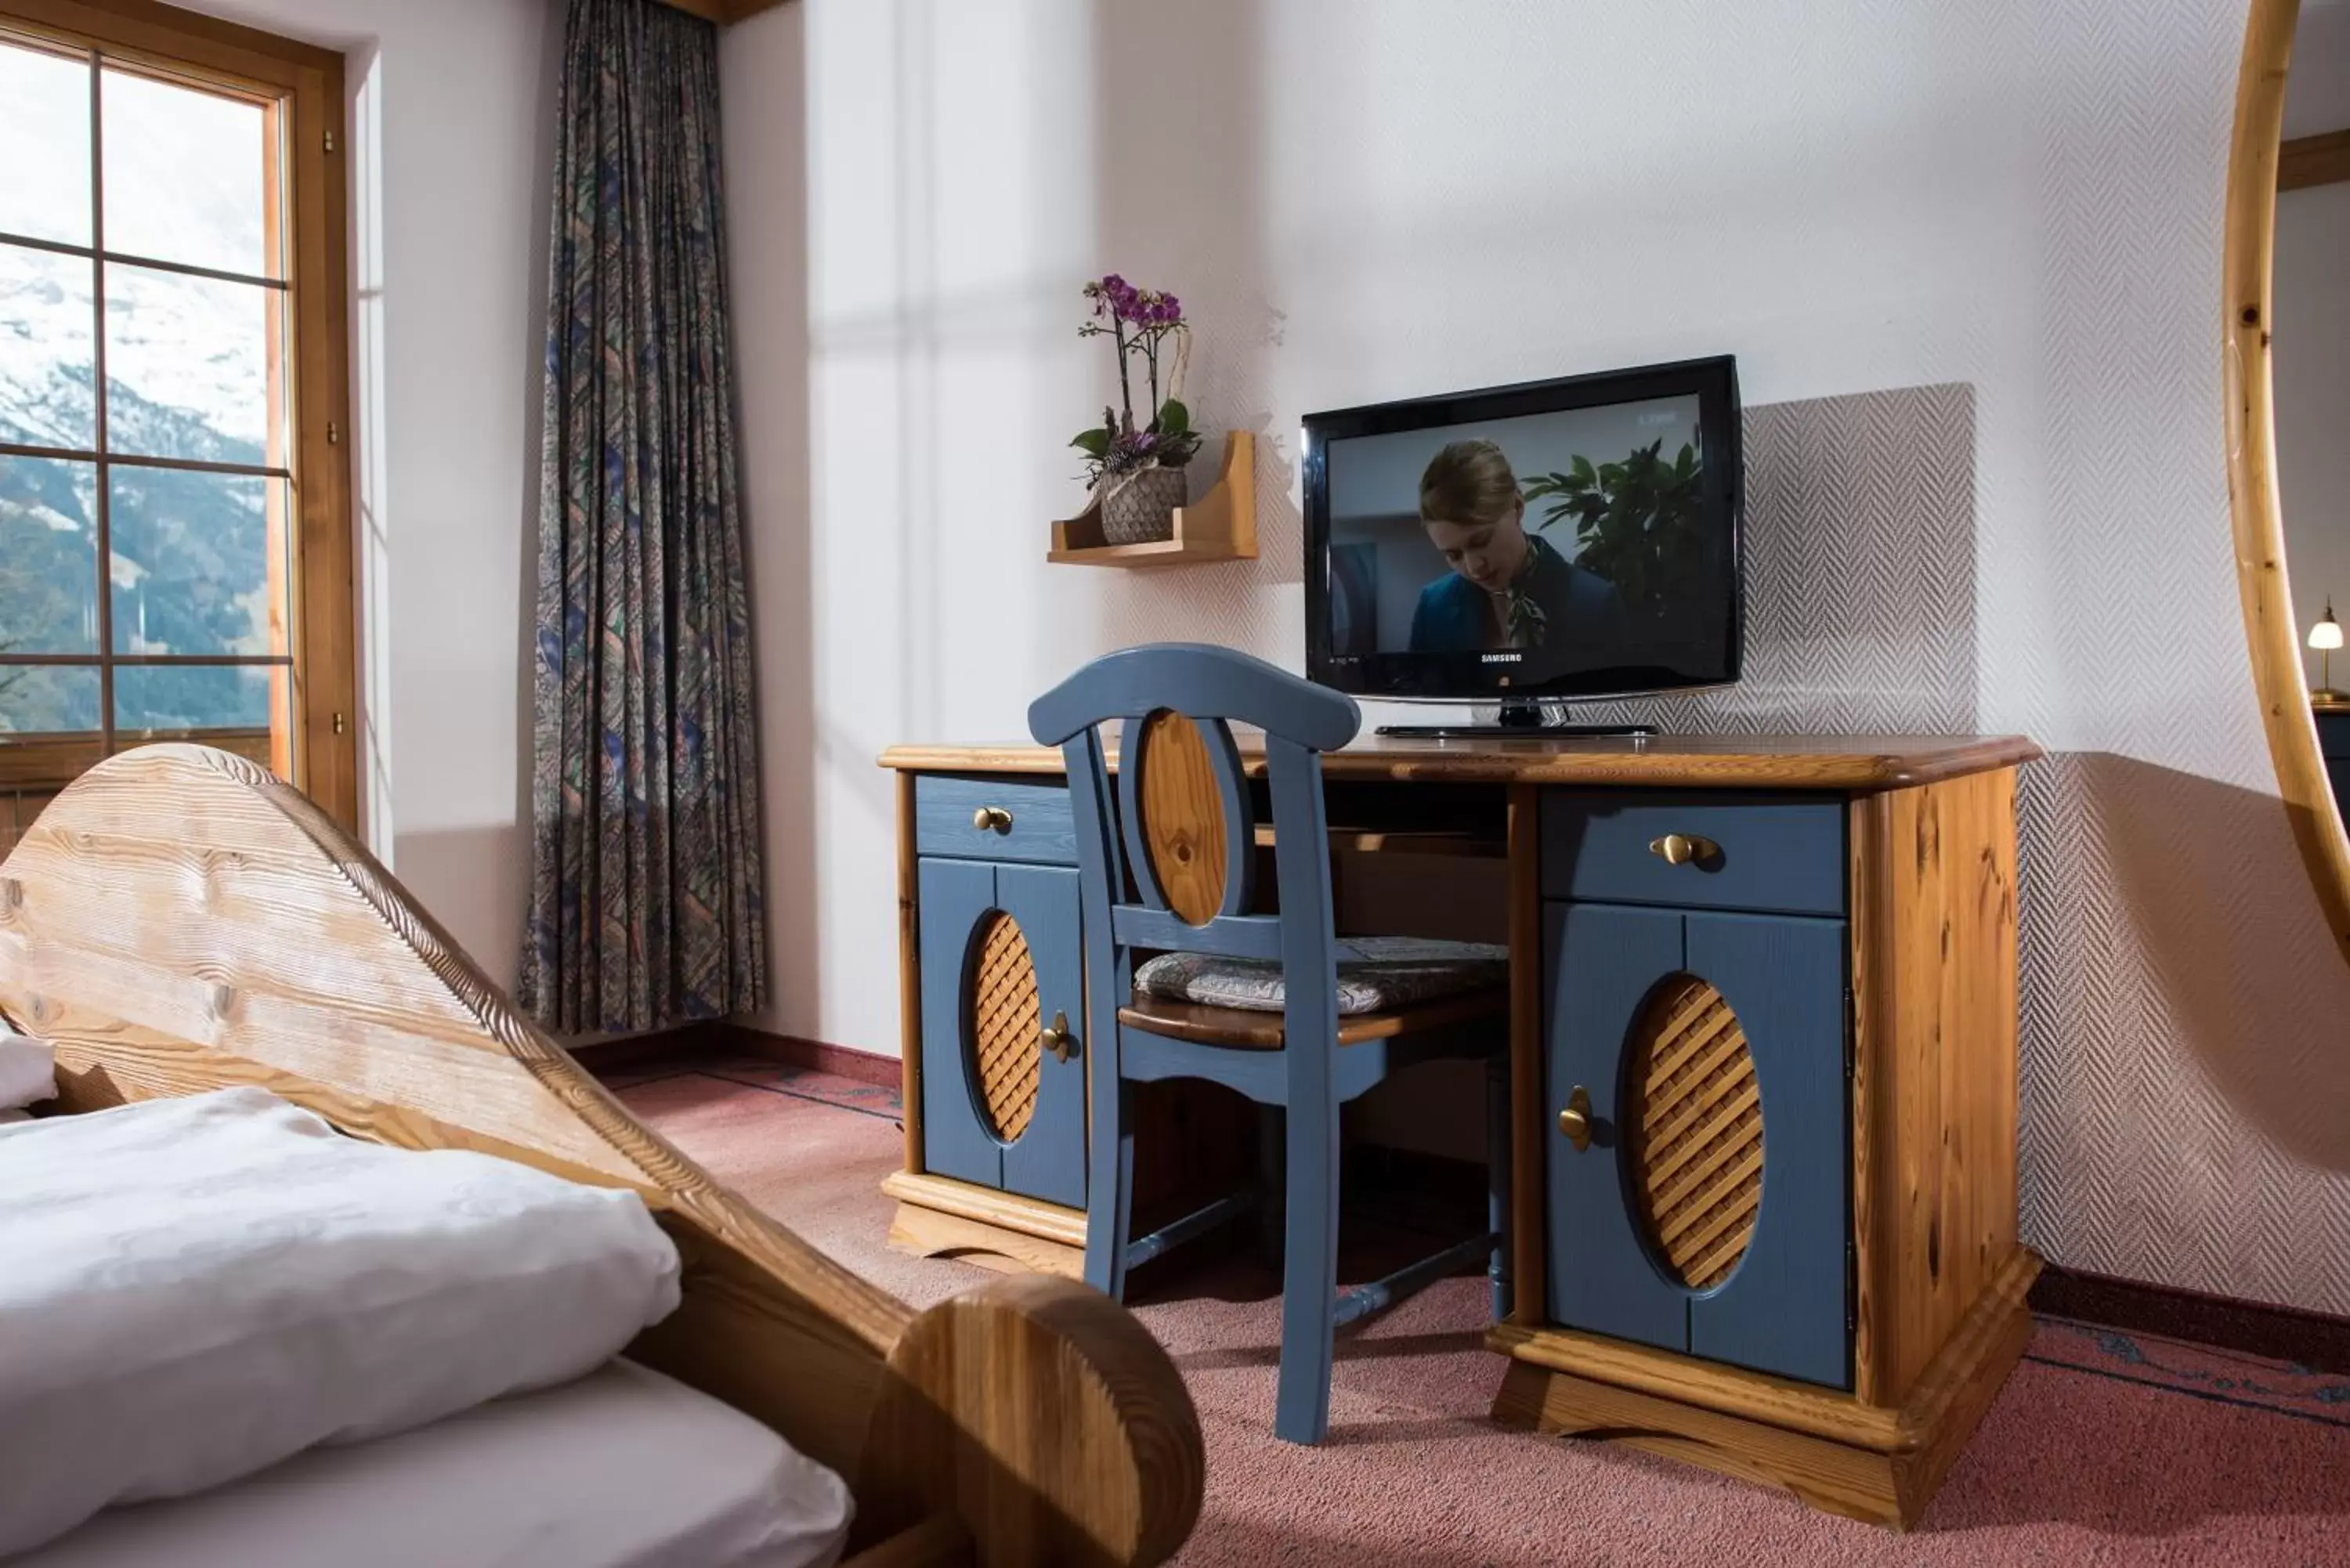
{"x":1057,"y":1040}
{"x":1576,"y":1121}
{"x":1683,"y":848}
{"x":991,"y":819}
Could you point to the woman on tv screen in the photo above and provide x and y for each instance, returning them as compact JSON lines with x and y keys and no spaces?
{"x":1507,"y":589}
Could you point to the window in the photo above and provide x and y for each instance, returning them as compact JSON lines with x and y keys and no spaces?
{"x":175,"y":486}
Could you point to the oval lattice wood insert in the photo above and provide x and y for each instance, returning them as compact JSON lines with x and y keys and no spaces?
{"x":1693,"y":1131}
{"x":1006,"y":1020}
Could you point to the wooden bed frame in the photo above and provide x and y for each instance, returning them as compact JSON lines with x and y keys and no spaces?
{"x":179,"y":919}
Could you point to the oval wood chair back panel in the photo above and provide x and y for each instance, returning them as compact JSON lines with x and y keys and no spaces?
{"x":1193,"y":841}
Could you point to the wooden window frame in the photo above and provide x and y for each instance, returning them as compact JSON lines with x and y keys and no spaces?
{"x":304,"y":85}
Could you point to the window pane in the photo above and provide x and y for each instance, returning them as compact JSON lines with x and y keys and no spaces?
{"x":192,"y":561}
{"x":48,"y":555}
{"x":46,"y":358}
{"x":171,"y":702}
{"x":44,"y":125}
{"x":187,"y":366}
{"x":184,"y":175}
{"x":45,"y":699}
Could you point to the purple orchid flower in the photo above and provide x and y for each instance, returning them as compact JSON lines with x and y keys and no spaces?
{"x":1140,"y":321}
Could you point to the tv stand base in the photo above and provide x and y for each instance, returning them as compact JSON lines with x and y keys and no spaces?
{"x":1515,"y":731}
{"x":1519,"y":721}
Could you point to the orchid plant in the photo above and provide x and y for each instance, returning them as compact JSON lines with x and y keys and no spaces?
{"x":1145,"y":324}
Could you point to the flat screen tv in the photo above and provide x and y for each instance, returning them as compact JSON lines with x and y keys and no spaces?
{"x":1573,"y":538}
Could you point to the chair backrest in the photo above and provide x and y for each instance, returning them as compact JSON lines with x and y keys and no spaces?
{"x":1182,"y":827}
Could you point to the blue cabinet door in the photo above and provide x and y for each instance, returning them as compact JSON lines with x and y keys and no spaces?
{"x":1048,"y":1158}
{"x":1646,"y":1216}
{"x":967,"y":1014}
{"x":957,"y":896}
{"x":1600,"y":962}
{"x":1783,"y":1310}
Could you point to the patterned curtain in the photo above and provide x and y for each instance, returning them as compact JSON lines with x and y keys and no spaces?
{"x":645,"y":898}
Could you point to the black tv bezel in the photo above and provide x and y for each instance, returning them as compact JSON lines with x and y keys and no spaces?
{"x":1471,"y":677}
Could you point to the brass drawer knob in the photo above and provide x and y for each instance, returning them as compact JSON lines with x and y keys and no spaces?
{"x":1683,"y":848}
{"x":1057,"y":1040}
{"x":991,"y":819}
{"x":1576,"y":1121}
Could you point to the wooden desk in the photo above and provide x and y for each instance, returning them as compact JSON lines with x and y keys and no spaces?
{"x":1787,"y":1246}
{"x":1854,"y":762}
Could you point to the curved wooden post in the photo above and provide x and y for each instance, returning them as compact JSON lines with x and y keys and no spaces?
{"x":1041,"y":1414}
{"x":2270,"y":631}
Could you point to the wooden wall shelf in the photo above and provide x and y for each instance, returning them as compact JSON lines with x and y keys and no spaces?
{"x":1220,"y":526}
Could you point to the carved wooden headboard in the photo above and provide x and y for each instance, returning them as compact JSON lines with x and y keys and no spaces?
{"x":179,"y":919}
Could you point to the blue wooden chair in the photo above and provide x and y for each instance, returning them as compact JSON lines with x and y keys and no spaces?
{"x":1180,"y":832}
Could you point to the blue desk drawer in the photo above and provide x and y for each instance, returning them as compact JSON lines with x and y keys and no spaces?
{"x":977,"y":817}
{"x":1774,"y":853}
{"x":2333,"y":735}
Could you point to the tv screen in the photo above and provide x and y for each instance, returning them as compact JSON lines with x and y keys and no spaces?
{"x":1576,"y":537}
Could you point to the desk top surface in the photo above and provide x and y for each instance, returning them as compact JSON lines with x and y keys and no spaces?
{"x":1718,"y":761}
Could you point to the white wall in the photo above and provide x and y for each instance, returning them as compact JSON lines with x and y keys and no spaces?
{"x":764,"y":134}
{"x":2317,"y":88}
{"x":1367,"y":200}
{"x":453,"y":123}
{"x":1370,"y":199}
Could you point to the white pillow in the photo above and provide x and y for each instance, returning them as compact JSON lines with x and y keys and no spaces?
{"x":28,"y":1070}
{"x":193,"y":1288}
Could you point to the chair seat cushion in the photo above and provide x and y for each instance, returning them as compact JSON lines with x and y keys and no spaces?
{"x":1376,"y":974}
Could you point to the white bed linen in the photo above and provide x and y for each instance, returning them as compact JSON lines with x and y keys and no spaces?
{"x":624,"y":1469}
{"x":192,"y":1290}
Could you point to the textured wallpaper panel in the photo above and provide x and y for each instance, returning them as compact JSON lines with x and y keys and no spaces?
{"x":2182,"y":1072}
{"x":1860,"y":572}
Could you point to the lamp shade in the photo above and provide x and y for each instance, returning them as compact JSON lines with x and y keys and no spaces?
{"x":2326,"y":633}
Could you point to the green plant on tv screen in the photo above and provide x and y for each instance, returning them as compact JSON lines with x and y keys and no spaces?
{"x":1636,"y":523}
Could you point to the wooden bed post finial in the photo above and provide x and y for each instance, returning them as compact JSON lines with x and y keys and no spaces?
{"x":1046,"y":1418}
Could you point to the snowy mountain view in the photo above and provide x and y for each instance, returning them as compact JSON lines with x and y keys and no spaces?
{"x":186,"y":377}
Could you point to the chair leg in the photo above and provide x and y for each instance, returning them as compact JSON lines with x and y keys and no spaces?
{"x":1497,"y":1182}
{"x":1109,"y":1192}
{"x":1309,"y":1281}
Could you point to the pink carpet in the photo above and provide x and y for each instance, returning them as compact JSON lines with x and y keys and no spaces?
{"x":2102,"y":1448}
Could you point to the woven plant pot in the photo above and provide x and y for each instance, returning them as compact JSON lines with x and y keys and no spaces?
{"x":1138,"y":508}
